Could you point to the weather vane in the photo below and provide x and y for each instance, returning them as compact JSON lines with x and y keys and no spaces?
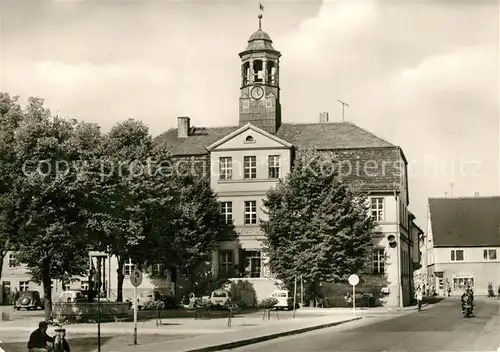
{"x":261,"y":9}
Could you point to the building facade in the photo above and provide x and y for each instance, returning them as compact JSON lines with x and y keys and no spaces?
{"x":244,"y":161}
{"x":463,"y":245}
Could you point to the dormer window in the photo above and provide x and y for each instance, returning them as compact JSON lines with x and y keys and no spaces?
{"x":249,"y":139}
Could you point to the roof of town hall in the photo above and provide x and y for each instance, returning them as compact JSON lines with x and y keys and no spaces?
{"x":321,"y":136}
{"x":465,"y":222}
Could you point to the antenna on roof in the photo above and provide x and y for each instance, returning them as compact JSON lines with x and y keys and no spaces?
{"x":343,"y":106}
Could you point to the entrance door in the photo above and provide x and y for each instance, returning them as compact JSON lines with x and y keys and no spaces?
{"x":254,"y":262}
{"x":6,"y":293}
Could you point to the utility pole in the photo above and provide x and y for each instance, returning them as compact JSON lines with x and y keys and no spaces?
{"x":343,"y":106}
{"x":446,"y":194}
{"x":451,"y":189}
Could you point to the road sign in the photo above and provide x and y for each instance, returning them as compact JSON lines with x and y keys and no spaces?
{"x":136,"y":277}
{"x":353,"y":279}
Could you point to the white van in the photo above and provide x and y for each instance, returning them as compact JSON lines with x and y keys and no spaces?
{"x":285,"y":299}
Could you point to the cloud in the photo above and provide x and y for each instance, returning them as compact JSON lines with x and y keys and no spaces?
{"x":105,"y":93}
{"x":423,"y":75}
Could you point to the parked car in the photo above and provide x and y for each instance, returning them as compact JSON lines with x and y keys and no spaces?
{"x":219,"y":298}
{"x":71,"y":296}
{"x":147,"y":297}
{"x":285,"y":299}
{"x":29,"y":300}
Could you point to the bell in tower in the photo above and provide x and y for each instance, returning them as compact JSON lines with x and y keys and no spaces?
{"x":260,"y":92}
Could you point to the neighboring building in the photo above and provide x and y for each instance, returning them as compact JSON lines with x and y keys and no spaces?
{"x":16,"y":276}
{"x":463,"y":243}
{"x":244,"y":161}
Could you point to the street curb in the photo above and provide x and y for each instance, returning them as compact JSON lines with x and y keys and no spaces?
{"x":254,"y":340}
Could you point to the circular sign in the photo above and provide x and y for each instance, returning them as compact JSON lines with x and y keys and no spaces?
{"x":136,"y":277}
{"x":353,"y":279}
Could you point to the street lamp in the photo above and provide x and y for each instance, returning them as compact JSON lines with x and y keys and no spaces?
{"x":99,"y":256}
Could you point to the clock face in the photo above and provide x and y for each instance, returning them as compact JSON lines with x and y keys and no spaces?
{"x":257,"y":92}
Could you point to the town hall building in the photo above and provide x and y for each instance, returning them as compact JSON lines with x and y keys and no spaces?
{"x":245,"y":161}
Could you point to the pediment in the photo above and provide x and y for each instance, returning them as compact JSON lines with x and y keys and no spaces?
{"x":249,"y":137}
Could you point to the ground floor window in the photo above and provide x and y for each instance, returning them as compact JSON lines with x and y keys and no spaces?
{"x":84,"y":285}
{"x":225,"y":261}
{"x":66,"y":286}
{"x":461,"y":283}
{"x":24,"y":286}
{"x":128,"y":267}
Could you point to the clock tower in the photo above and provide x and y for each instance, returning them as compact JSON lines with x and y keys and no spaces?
{"x":260,"y":91}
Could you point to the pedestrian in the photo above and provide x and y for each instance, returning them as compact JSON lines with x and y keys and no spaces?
{"x":498,"y":297}
{"x":449,"y":291}
{"x":39,"y":338}
{"x":418,"y":296}
{"x":60,"y":343}
{"x":15,"y":296}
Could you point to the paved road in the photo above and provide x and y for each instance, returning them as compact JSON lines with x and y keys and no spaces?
{"x":440,"y":328}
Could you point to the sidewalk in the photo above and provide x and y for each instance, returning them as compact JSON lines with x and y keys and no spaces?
{"x":244,"y":332}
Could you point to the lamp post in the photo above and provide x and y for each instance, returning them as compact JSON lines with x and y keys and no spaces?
{"x":99,"y":256}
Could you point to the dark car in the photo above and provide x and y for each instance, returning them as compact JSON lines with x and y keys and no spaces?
{"x":29,"y":300}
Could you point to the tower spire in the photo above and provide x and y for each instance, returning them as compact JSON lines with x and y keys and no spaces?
{"x":261,"y":9}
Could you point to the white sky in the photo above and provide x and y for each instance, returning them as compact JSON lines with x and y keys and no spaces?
{"x":423,"y":75}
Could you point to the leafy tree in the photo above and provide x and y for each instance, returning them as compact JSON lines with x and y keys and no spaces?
{"x":50,"y":195}
{"x":123,"y":186}
{"x":200,"y":230}
{"x":11,"y":116}
{"x":317,"y":226}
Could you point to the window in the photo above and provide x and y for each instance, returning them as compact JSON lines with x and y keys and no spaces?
{"x":225,"y":261}
{"x":24,"y":286}
{"x":378,"y":261}
{"x":13,"y":260}
{"x":249,"y":139}
{"x":225,"y":168}
{"x":66,"y":286}
{"x":128,"y":267}
{"x":274,"y":166}
{"x":490,"y":254}
{"x":226,"y":212}
{"x":157,"y":270}
{"x":457,"y":255}
{"x":250,"y":167}
{"x":85,"y":285}
{"x":377,"y":208}
{"x":461,"y":283}
{"x":250,"y":212}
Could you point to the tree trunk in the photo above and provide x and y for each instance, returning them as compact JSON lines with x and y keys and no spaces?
{"x":120,"y":279}
{"x":2,"y":298}
{"x":47,"y":288}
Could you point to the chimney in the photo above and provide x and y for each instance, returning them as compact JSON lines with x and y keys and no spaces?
{"x":182,"y":127}
{"x":323,"y":117}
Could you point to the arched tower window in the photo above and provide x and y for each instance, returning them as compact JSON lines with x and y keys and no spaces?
{"x":270,"y":70}
{"x":249,"y":139}
{"x":258,"y":74}
{"x":245,"y":74}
